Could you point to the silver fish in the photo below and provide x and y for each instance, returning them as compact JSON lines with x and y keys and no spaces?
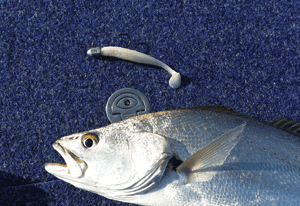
{"x":196,"y":156}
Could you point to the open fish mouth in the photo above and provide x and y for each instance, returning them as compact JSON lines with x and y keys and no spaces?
{"x":74,"y":165}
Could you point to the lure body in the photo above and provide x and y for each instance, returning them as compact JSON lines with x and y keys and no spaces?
{"x":222,"y":158}
{"x":138,"y":57}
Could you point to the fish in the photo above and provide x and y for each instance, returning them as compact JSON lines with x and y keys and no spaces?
{"x":207,"y":155}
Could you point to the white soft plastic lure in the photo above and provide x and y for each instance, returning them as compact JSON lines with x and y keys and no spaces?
{"x":135,"y":56}
{"x":197,"y":156}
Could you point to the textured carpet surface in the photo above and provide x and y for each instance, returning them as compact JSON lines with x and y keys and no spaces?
{"x":241,"y":54}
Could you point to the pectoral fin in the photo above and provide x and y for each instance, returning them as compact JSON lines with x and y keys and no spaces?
{"x":213,"y":154}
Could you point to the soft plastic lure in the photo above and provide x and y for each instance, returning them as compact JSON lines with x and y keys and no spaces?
{"x":135,"y":56}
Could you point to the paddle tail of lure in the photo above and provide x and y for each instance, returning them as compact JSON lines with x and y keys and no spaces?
{"x":135,"y":56}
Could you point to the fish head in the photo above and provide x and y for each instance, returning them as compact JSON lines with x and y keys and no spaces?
{"x":112,"y":161}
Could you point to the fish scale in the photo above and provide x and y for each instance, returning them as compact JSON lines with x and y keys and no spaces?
{"x":259,"y":145}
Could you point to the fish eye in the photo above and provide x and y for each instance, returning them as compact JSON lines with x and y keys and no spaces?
{"x":89,"y":140}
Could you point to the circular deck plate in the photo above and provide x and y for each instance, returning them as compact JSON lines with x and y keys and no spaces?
{"x":126,"y":103}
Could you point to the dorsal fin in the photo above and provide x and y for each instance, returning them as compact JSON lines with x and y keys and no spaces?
{"x":213,"y":108}
{"x":286,"y":124}
{"x":213,"y":154}
{"x":222,"y":109}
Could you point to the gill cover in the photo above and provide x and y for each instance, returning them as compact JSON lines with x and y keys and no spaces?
{"x":150,"y":154}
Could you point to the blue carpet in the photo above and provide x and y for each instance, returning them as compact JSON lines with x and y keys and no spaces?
{"x":241,"y":54}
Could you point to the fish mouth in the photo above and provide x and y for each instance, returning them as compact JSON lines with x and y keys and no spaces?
{"x":74,"y":165}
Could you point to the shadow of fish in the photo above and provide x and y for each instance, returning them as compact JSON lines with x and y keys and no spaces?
{"x":206,"y":155}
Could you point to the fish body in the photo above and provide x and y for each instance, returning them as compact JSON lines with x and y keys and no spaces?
{"x":196,"y":156}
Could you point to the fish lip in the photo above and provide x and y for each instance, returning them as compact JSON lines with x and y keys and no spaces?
{"x":74,"y":165}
